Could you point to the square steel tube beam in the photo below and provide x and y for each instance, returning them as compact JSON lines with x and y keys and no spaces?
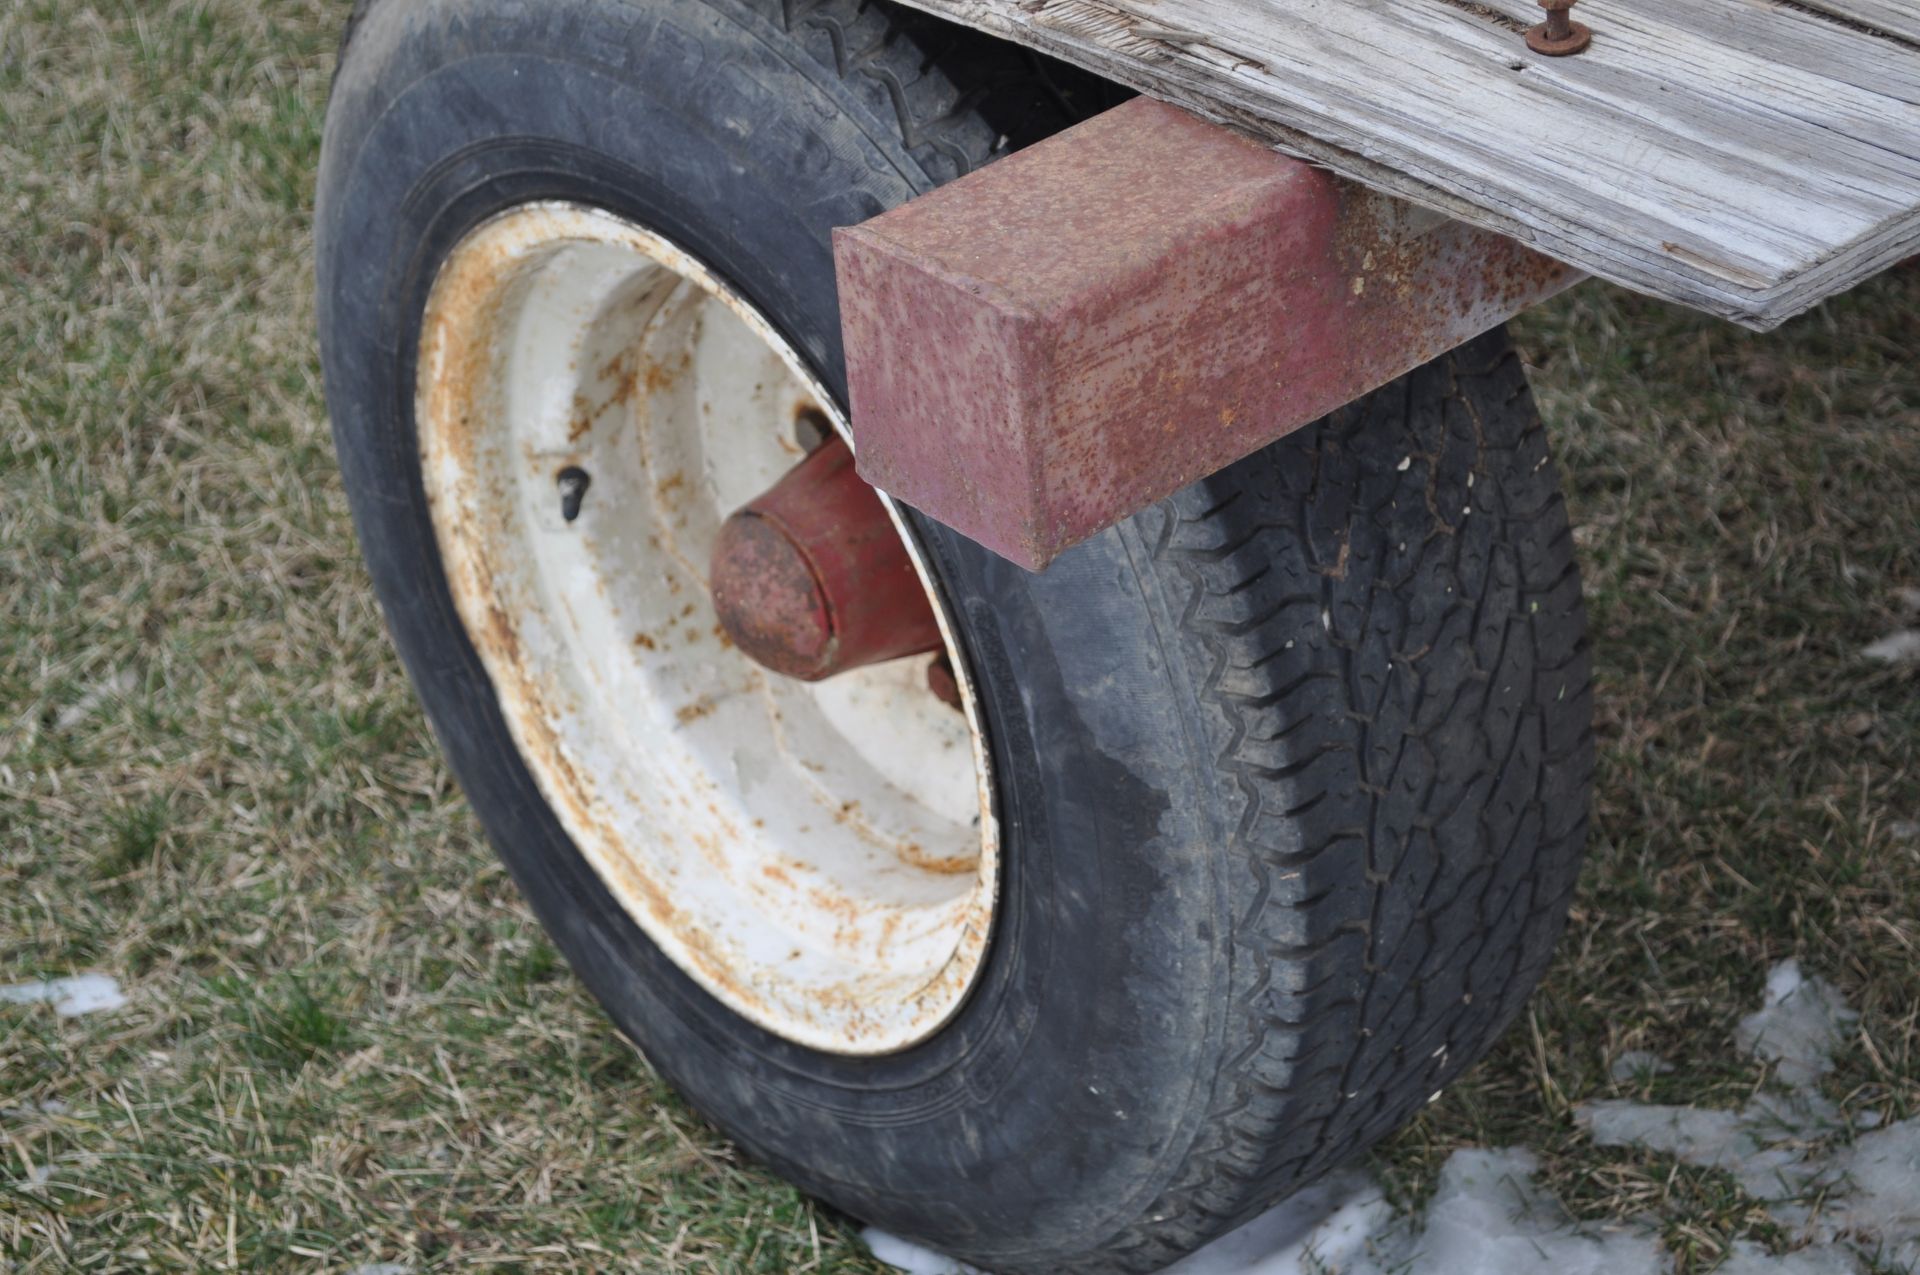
{"x":1054,"y":342}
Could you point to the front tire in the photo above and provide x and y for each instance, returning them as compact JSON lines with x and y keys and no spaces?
{"x":1291,"y":771}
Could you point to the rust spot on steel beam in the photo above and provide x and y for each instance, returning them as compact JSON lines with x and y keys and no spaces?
{"x":1054,"y":342}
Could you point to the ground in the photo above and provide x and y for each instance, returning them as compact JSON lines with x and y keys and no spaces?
{"x":345,"y":1041}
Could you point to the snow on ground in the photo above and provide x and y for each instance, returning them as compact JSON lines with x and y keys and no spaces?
{"x":1799,"y":1026}
{"x":1763,"y":1145}
{"x":70,"y":997}
{"x":1901,"y":647}
{"x":911,"y":1258}
{"x":1776,"y":1145}
{"x":1486,"y":1218}
{"x":1850,"y":1195}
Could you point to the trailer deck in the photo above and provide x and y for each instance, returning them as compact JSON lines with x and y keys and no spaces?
{"x":1749,"y":158}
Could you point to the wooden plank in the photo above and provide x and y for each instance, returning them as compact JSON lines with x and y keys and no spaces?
{"x":1746,"y":157}
{"x":1891,"y":17}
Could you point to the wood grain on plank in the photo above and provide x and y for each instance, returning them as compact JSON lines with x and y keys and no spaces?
{"x":1747,"y":157}
{"x":1894,"y":17}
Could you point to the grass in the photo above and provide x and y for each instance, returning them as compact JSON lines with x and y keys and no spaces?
{"x":348,"y":1041}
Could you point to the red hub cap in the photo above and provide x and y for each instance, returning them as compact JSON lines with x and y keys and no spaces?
{"x":811,"y":578}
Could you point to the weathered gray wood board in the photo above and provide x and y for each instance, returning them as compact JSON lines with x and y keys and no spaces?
{"x":1892,"y":17}
{"x":1747,"y":157}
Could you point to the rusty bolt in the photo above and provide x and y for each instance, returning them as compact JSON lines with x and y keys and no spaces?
{"x":1559,"y":35}
{"x":941,"y":681}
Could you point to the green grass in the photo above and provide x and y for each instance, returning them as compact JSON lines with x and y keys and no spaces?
{"x":348,"y":1040}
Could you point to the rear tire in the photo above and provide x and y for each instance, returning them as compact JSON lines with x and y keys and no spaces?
{"x":1292,"y":770}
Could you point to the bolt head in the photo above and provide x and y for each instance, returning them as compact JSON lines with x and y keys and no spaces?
{"x":1577,"y":38}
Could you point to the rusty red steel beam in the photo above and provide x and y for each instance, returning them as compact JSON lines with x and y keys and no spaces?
{"x":1054,"y":342}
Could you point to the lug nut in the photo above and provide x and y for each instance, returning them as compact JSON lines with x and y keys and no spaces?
{"x":1559,"y":35}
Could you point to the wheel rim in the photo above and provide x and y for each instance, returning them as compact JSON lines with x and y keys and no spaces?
{"x":592,"y":403}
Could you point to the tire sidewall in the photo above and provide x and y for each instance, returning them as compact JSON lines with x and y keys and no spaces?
{"x":1067,"y":1090}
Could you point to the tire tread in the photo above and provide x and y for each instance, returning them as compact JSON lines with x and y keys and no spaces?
{"x":1314,"y":744}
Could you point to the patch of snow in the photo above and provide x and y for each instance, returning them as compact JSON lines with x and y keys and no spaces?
{"x":1872,"y":1187}
{"x":1869,"y":1192}
{"x":381,"y":1268}
{"x":1761,"y":1145}
{"x":1489,"y":1217}
{"x":1486,"y":1218}
{"x":1710,"y":1139}
{"x":1905,"y":830}
{"x":1802,"y":1022}
{"x":1877,"y":1190}
{"x":904,"y":1255}
{"x":70,"y":997}
{"x":93,"y":697}
{"x":1634,"y":1064}
{"x":1902,"y":647}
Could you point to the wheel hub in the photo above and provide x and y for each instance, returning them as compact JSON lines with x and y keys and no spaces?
{"x":811,"y":579}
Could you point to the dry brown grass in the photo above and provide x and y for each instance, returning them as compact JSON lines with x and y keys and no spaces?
{"x":348,"y":1041}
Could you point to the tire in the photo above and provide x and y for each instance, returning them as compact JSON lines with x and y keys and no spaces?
{"x":1292,"y":769}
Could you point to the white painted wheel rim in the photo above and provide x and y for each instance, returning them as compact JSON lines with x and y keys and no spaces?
{"x":822,"y":859}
